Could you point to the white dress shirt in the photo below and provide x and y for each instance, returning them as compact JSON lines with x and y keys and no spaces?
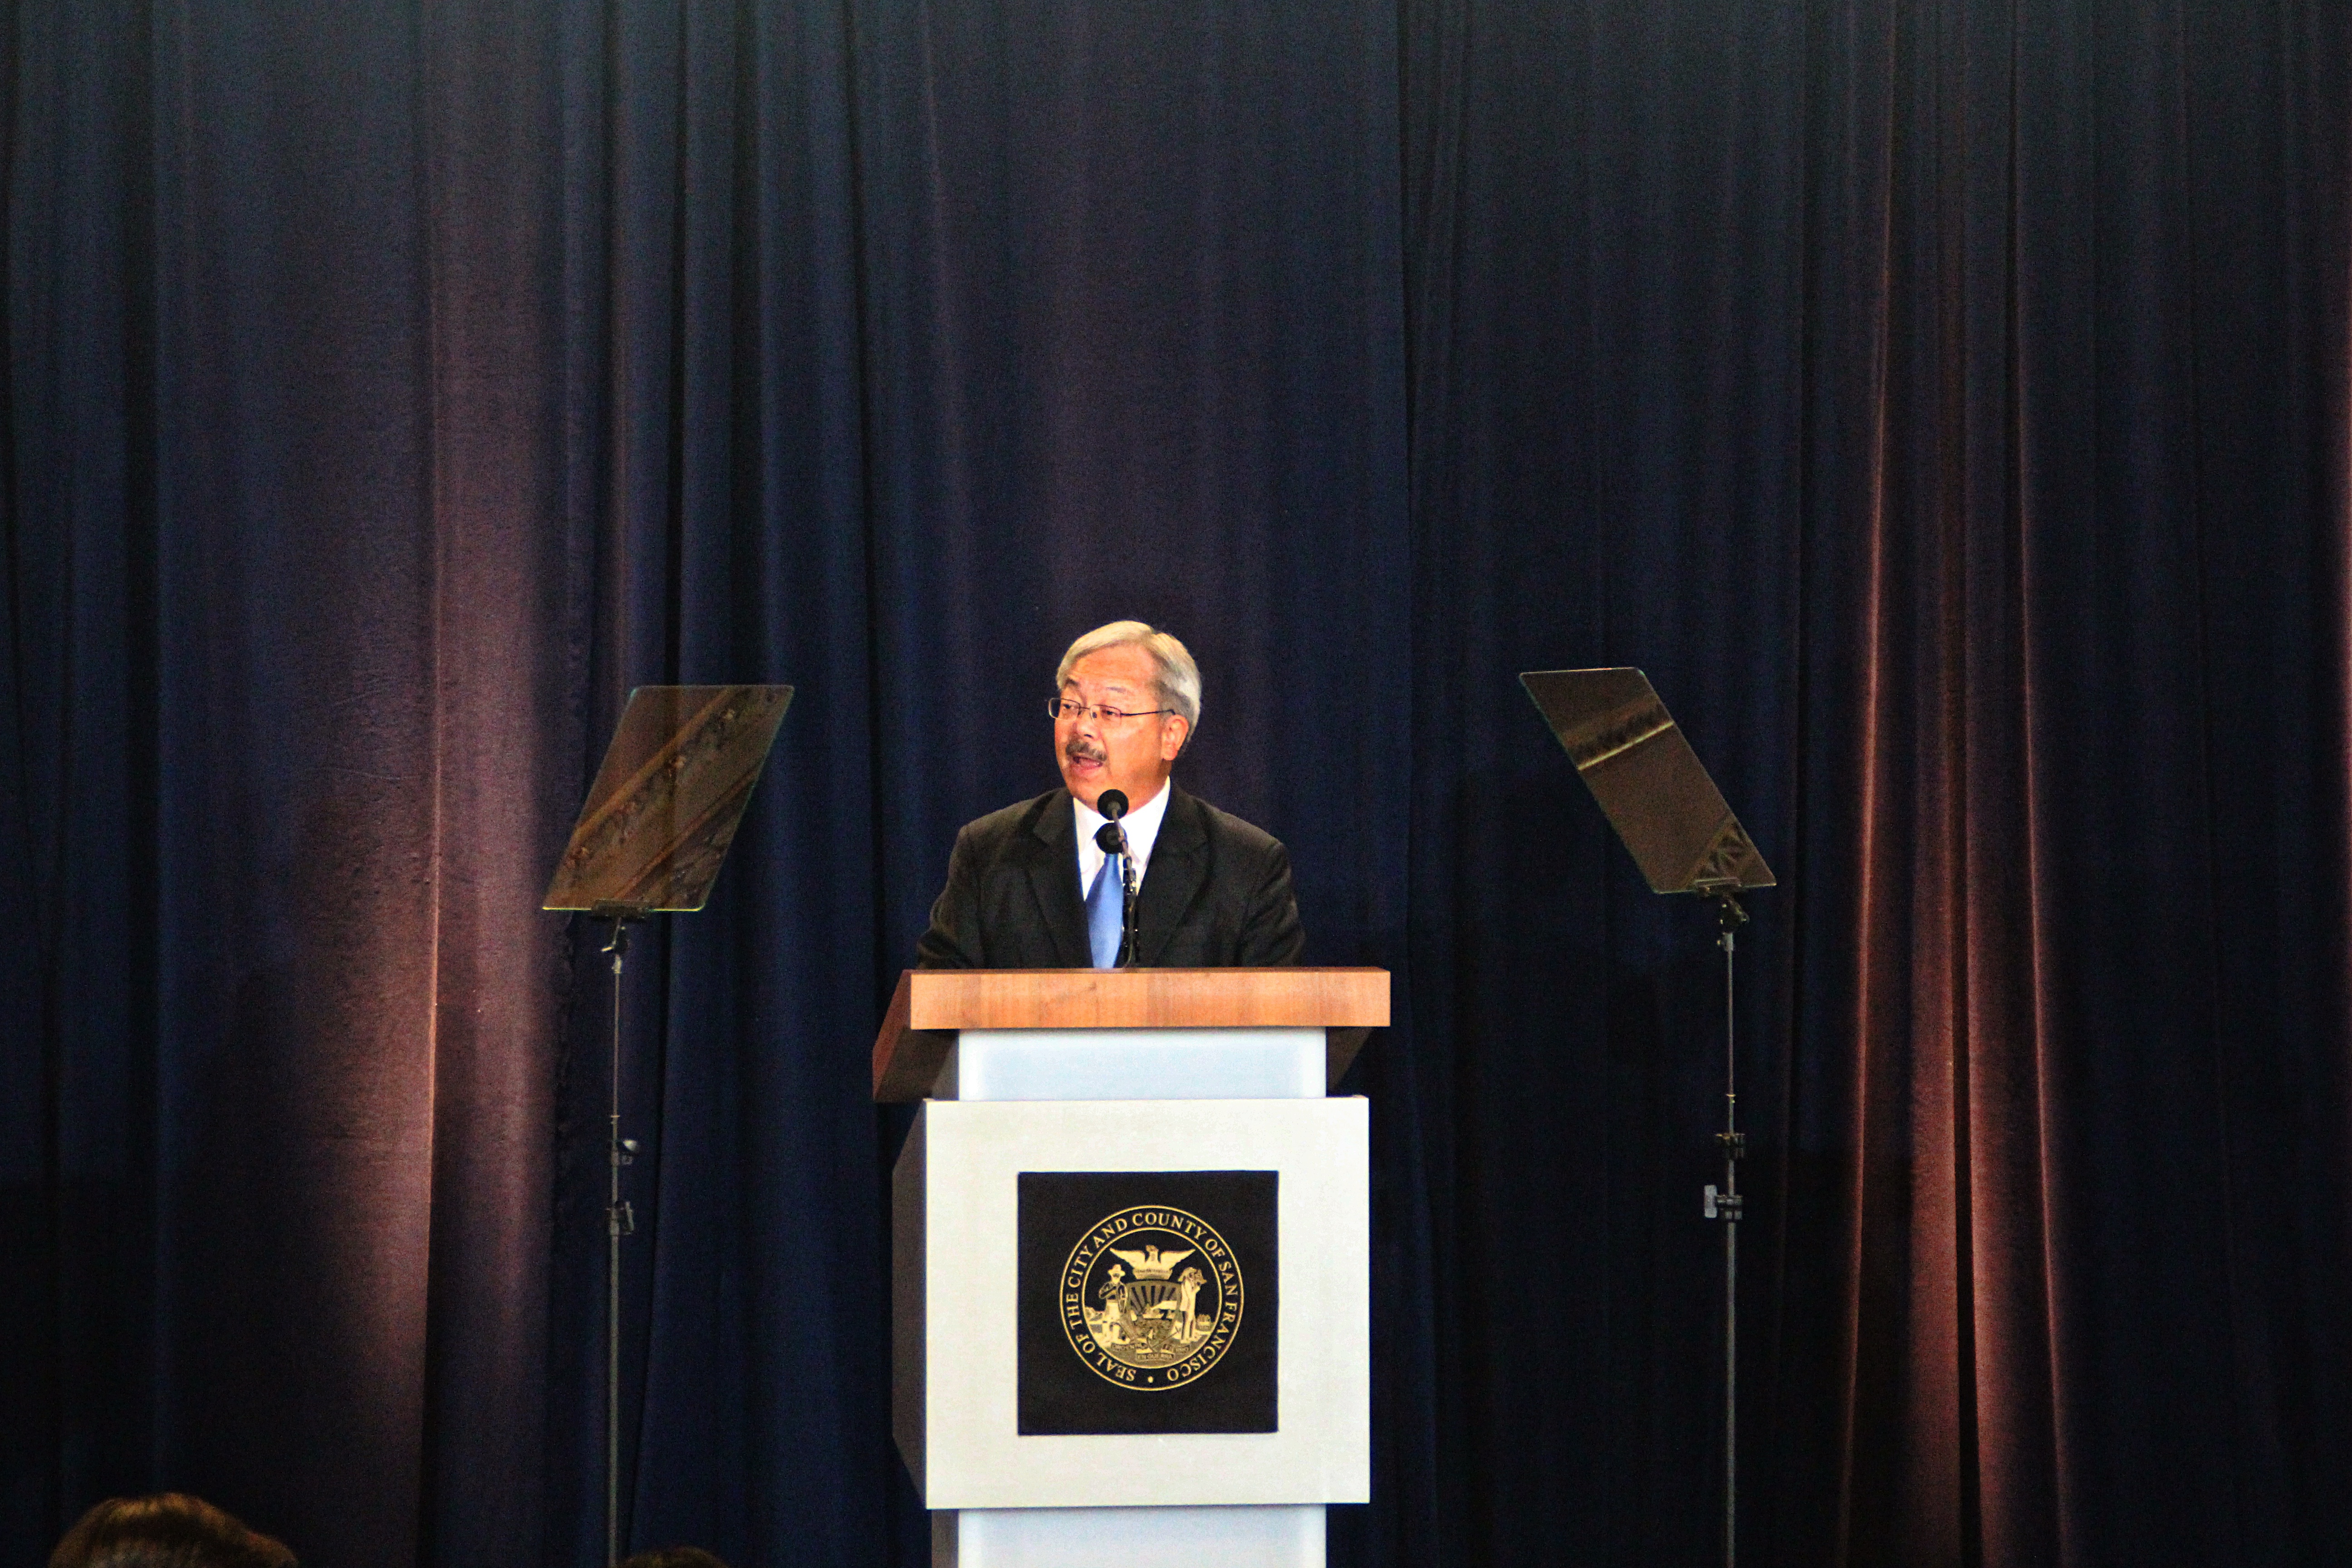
{"x":1142,"y":825}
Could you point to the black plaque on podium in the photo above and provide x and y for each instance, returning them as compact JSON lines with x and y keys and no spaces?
{"x":1148,"y":1302}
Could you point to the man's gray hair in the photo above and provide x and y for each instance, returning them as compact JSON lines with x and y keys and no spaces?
{"x":1179,"y":682}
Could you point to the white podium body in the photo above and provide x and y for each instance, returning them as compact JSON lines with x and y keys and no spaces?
{"x":1188,"y":1098}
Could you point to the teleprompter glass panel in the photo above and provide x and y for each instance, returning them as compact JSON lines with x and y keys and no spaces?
{"x":1649,"y":783}
{"x":669,"y":797}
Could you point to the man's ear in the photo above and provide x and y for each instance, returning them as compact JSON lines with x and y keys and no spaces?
{"x":1175,"y":732}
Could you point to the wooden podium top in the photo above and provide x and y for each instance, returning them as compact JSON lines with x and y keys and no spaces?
{"x":931,"y":1004}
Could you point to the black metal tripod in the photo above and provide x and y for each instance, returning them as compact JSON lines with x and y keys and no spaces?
{"x":1680,"y":831}
{"x":1724,"y":1204}
{"x":620,"y":1220}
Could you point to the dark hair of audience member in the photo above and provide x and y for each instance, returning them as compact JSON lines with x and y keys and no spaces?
{"x":170,"y":1529}
{"x":674,"y":1557}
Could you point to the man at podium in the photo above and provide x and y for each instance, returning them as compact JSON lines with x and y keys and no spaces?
{"x":1026,"y":886}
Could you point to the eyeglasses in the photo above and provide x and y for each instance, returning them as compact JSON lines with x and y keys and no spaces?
{"x":1060,"y":708}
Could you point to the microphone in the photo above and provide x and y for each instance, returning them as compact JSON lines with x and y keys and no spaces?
{"x":1112,"y":805}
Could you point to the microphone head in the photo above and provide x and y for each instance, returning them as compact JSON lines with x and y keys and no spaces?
{"x":1111,"y":840}
{"x":1111,"y":804}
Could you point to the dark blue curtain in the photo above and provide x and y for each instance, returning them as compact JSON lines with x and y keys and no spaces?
{"x":1944,"y":401}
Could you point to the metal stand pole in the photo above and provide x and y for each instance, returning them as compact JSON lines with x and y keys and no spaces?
{"x":620,"y":1220}
{"x":1724,"y":1206}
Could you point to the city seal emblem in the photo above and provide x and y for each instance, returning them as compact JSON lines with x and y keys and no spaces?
{"x":1151,"y":1297}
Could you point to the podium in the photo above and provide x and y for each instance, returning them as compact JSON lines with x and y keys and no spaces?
{"x":1130,"y":1262}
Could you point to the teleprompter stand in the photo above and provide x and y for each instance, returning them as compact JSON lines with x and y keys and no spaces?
{"x":650,"y":840}
{"x":1657,"y":794}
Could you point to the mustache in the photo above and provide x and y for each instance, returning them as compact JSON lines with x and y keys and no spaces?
{"x":1081,"y":749}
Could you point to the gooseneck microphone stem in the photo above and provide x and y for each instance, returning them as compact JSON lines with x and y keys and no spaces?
{"x":1112,"y":838}
{"x":1126,"y":904}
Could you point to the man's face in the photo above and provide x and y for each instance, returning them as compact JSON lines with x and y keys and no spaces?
{"x":1132,"y":754}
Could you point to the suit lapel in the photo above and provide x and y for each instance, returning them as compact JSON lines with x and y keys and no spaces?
{"x":1179,"y":870}
{"x":1053,"y":878}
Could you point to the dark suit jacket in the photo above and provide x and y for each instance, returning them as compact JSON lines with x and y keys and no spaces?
{"x":1215,"y":893}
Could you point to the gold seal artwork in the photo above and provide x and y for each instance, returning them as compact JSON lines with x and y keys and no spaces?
{"x":1151,"y":1297}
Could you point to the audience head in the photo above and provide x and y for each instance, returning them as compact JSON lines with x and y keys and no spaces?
{"x":674,"y":1557}
{"x":168,"y":1531}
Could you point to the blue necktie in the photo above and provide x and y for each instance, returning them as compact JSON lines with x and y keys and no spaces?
{"x":1105,"y":902}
